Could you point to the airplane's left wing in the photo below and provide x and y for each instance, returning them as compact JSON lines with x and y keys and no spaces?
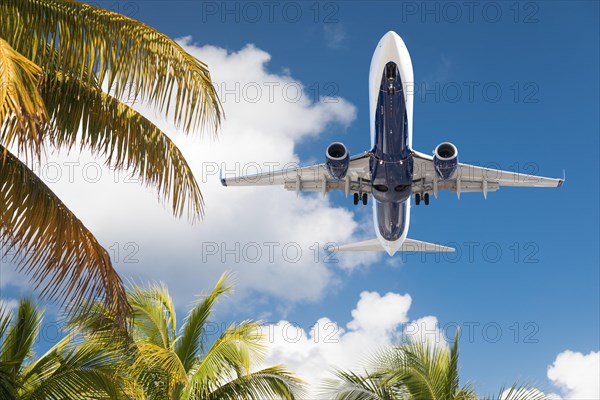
{"x":314,"y":178}
{"x":471,"y":178}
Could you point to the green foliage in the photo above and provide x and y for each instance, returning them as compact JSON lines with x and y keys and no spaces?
{"x":72,"y":369}
{"x":56,"y":56}
{"x":414,"y":370}
{"x":162,"y":362}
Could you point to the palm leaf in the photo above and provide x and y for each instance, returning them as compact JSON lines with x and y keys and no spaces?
{"x":5,"y":317}
{"x":154,"y":315}
{"x":71,"y":370}
{"x":126,"y":139}
{"x":127,"y":55}
{"x":519,"y":392}
{"x":153,"y":357}
{"x":7,"y":379}
{"x":21,"y":336}
{"x":189,"y":344}
{"x":56,"y":250}
{"x":22,"y":111}
{"x":269,"y":383}
{"x":349,"y":385}
{"x":231,"y":354}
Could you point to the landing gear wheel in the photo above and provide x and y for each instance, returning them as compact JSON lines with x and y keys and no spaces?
{"x":426,"y":198}
{"x":355,"y":198}
{"x":365,"y":198}
{"x":417,"y":199}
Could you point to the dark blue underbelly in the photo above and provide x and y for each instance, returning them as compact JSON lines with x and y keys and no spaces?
{"x":391,"y":219}
{"x":391,"y":163}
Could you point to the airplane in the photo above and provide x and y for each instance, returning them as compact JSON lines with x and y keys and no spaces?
{"x":392,"y":172}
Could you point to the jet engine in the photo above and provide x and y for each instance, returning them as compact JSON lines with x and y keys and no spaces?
{"x":445,"y":160}
{"x":337,"y":160}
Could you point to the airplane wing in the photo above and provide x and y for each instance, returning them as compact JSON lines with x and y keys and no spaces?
{"x":314,"y":178}
{"x":471,"y":178}
{"x":408,"y":245}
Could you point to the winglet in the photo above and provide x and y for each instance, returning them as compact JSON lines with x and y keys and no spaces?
{"x":561,"y":181}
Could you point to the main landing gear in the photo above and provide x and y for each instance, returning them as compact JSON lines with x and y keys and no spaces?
{"x":364,"y":197}
{"x":425,"y":198}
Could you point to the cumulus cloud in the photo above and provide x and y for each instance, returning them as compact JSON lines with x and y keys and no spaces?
{"x":377,"y":322}
{"x":425,"y":329}
{"x":577,"y":374}
{"x":272,"y":239}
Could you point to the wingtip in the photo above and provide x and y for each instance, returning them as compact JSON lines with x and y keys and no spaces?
{"x":562,"y":181}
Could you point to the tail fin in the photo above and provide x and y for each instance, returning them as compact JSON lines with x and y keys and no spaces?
{"x":408,"y":245}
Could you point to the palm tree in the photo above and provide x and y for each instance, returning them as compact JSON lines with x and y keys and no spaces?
{"x":162,"y":362}
{"x":56,"y":56}
{"x":414,"y":370}
{"x":71,"y":369}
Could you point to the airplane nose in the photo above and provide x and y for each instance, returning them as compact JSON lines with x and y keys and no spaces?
{"x":387,"y":39}
{"x":391,"y":40}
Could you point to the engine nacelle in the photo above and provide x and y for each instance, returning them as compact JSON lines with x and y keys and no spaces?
{"x":445,"y":160}
{"x":337,"y":160}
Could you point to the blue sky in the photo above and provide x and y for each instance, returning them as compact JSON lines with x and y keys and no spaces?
{"x":533,"y":269}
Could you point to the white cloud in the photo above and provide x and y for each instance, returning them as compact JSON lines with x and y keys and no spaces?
{"x":335,"y":35}
{"x":266,"y":235}
{"x":577,"y":374}
{"x":377,"y":322}
{"x":425,"y":329}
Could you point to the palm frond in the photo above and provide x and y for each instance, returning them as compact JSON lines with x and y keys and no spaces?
{"x":21,"y":336}
{"x":152,"y":357}
{"x":421,"y":368}
{"x":55,"y":249}
{"x":452,"y":380}
{"x":520,"y":392}
{"x":127,"y":55}
{"x":269,"y":383}
{"x":72,"y":370}
{"x":230,"y":355}
{"x":349,"y":385}
{"x":154,"y":315}
{"x":189,"y":344}
{"x":22,"y":111}
{"x":7,"y":389}
{"x":126,"y":139}
{"x":8,"y":384}
{"x":5,"y":317}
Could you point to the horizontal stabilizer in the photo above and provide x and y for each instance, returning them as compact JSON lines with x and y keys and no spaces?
{"x":408,"y":245}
